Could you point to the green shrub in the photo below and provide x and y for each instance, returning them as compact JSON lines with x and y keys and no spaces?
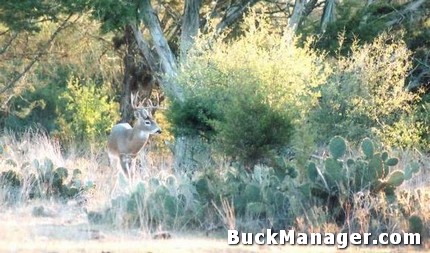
{"x":250,"y":129}
{"x":193,"y":117}
{"x":89,"y":112}
{"x":365,"y":96}
{"x":249,"y":94}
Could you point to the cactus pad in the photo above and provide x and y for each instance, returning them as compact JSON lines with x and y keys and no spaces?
{"x":337,"y":147}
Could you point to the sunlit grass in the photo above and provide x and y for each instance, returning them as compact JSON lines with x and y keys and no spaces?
{"x":64,"y":226}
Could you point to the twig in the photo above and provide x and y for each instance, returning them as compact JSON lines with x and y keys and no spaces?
{"x":7,"y":45}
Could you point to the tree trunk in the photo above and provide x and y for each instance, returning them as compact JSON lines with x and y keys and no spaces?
{"x":329,"y":14}
{"x":190,"y":25}
{"x":125,"y":106}
{"x":167,"y":59}
{"x":138,"y":72}
{"x":234,"y":13}
{"x":302,"y":8}
{"x":296,"y":16}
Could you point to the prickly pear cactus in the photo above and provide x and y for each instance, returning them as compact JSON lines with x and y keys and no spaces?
{"x":411,"y":169}
{"x":396,"y":178}
{"x":416,"y":224}
{"x":312,"y":171}
{"x":367,"y":148}
{"x":337,"y":147}
{"x":374,"y":171}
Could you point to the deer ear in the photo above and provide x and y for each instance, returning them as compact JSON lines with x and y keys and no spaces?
{"x":136,"y":114}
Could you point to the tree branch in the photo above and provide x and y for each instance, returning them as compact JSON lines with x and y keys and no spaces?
{"x":234,"y":13}
{"x":328,"y":15}
{"x":7,"y":45}
{"x":150,"y":19}
{"x":167,"y":59}
{"x":409,"y":8}
{"x":302,"y":8}
{"x":145,"y":49}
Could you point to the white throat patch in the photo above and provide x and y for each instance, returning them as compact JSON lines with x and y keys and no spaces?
{"x":143,"y":135}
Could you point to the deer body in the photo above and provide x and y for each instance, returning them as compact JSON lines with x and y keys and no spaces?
{"x":125,"y":142}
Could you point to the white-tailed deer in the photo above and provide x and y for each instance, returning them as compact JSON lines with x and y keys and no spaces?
{"x":125,"y":142}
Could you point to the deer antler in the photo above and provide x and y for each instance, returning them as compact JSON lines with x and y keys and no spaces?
{"x":146,"y":103}
{"x":134,"y":101}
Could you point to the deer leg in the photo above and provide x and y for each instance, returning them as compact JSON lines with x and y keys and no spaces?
{"x":125,"y":165}
{"x":114,"y":163}
{"x":133,"y":168}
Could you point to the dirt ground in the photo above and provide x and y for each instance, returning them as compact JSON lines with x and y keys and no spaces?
{"x":64,"y":228}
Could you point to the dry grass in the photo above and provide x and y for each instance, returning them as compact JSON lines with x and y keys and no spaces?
{"x":68,"y":231}
{"x":64,"y":227}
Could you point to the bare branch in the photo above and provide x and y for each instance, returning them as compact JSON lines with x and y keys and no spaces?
{"x":409,"y":8}
{"x":7,"y":45}
{"x":234,"y":13}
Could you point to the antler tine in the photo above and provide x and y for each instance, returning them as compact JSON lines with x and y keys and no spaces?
{"x":158,"y":99}
{"x":133,"y":100}
{"x":150,"y":104}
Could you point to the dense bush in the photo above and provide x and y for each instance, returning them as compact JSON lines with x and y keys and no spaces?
{"x":250,"y":129}
{"x":247,"y":95}
{"x":89,"y":112}
{"x":366,"y":96}
{"x":78,"y":50}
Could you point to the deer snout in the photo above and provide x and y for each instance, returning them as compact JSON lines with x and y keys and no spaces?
{"x":158,"y":131}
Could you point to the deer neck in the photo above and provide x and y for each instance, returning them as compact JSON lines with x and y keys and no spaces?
{"x":138,"y":134}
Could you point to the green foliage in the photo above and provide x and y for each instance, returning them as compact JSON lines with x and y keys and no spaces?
{"x":354,"y":20}
{"x":114,"y":15}
{"x":89,"y":113}
{"x":365,"y":96}
{"x":24,"y":15}
{"x":248,"y":95}
{"x":34,"y":101}
{"x":364,"y":21}
{"x":193,"y":117}
{"x":250,"y":129}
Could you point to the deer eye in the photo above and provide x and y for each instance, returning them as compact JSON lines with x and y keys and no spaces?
{"x":147,"y":122}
